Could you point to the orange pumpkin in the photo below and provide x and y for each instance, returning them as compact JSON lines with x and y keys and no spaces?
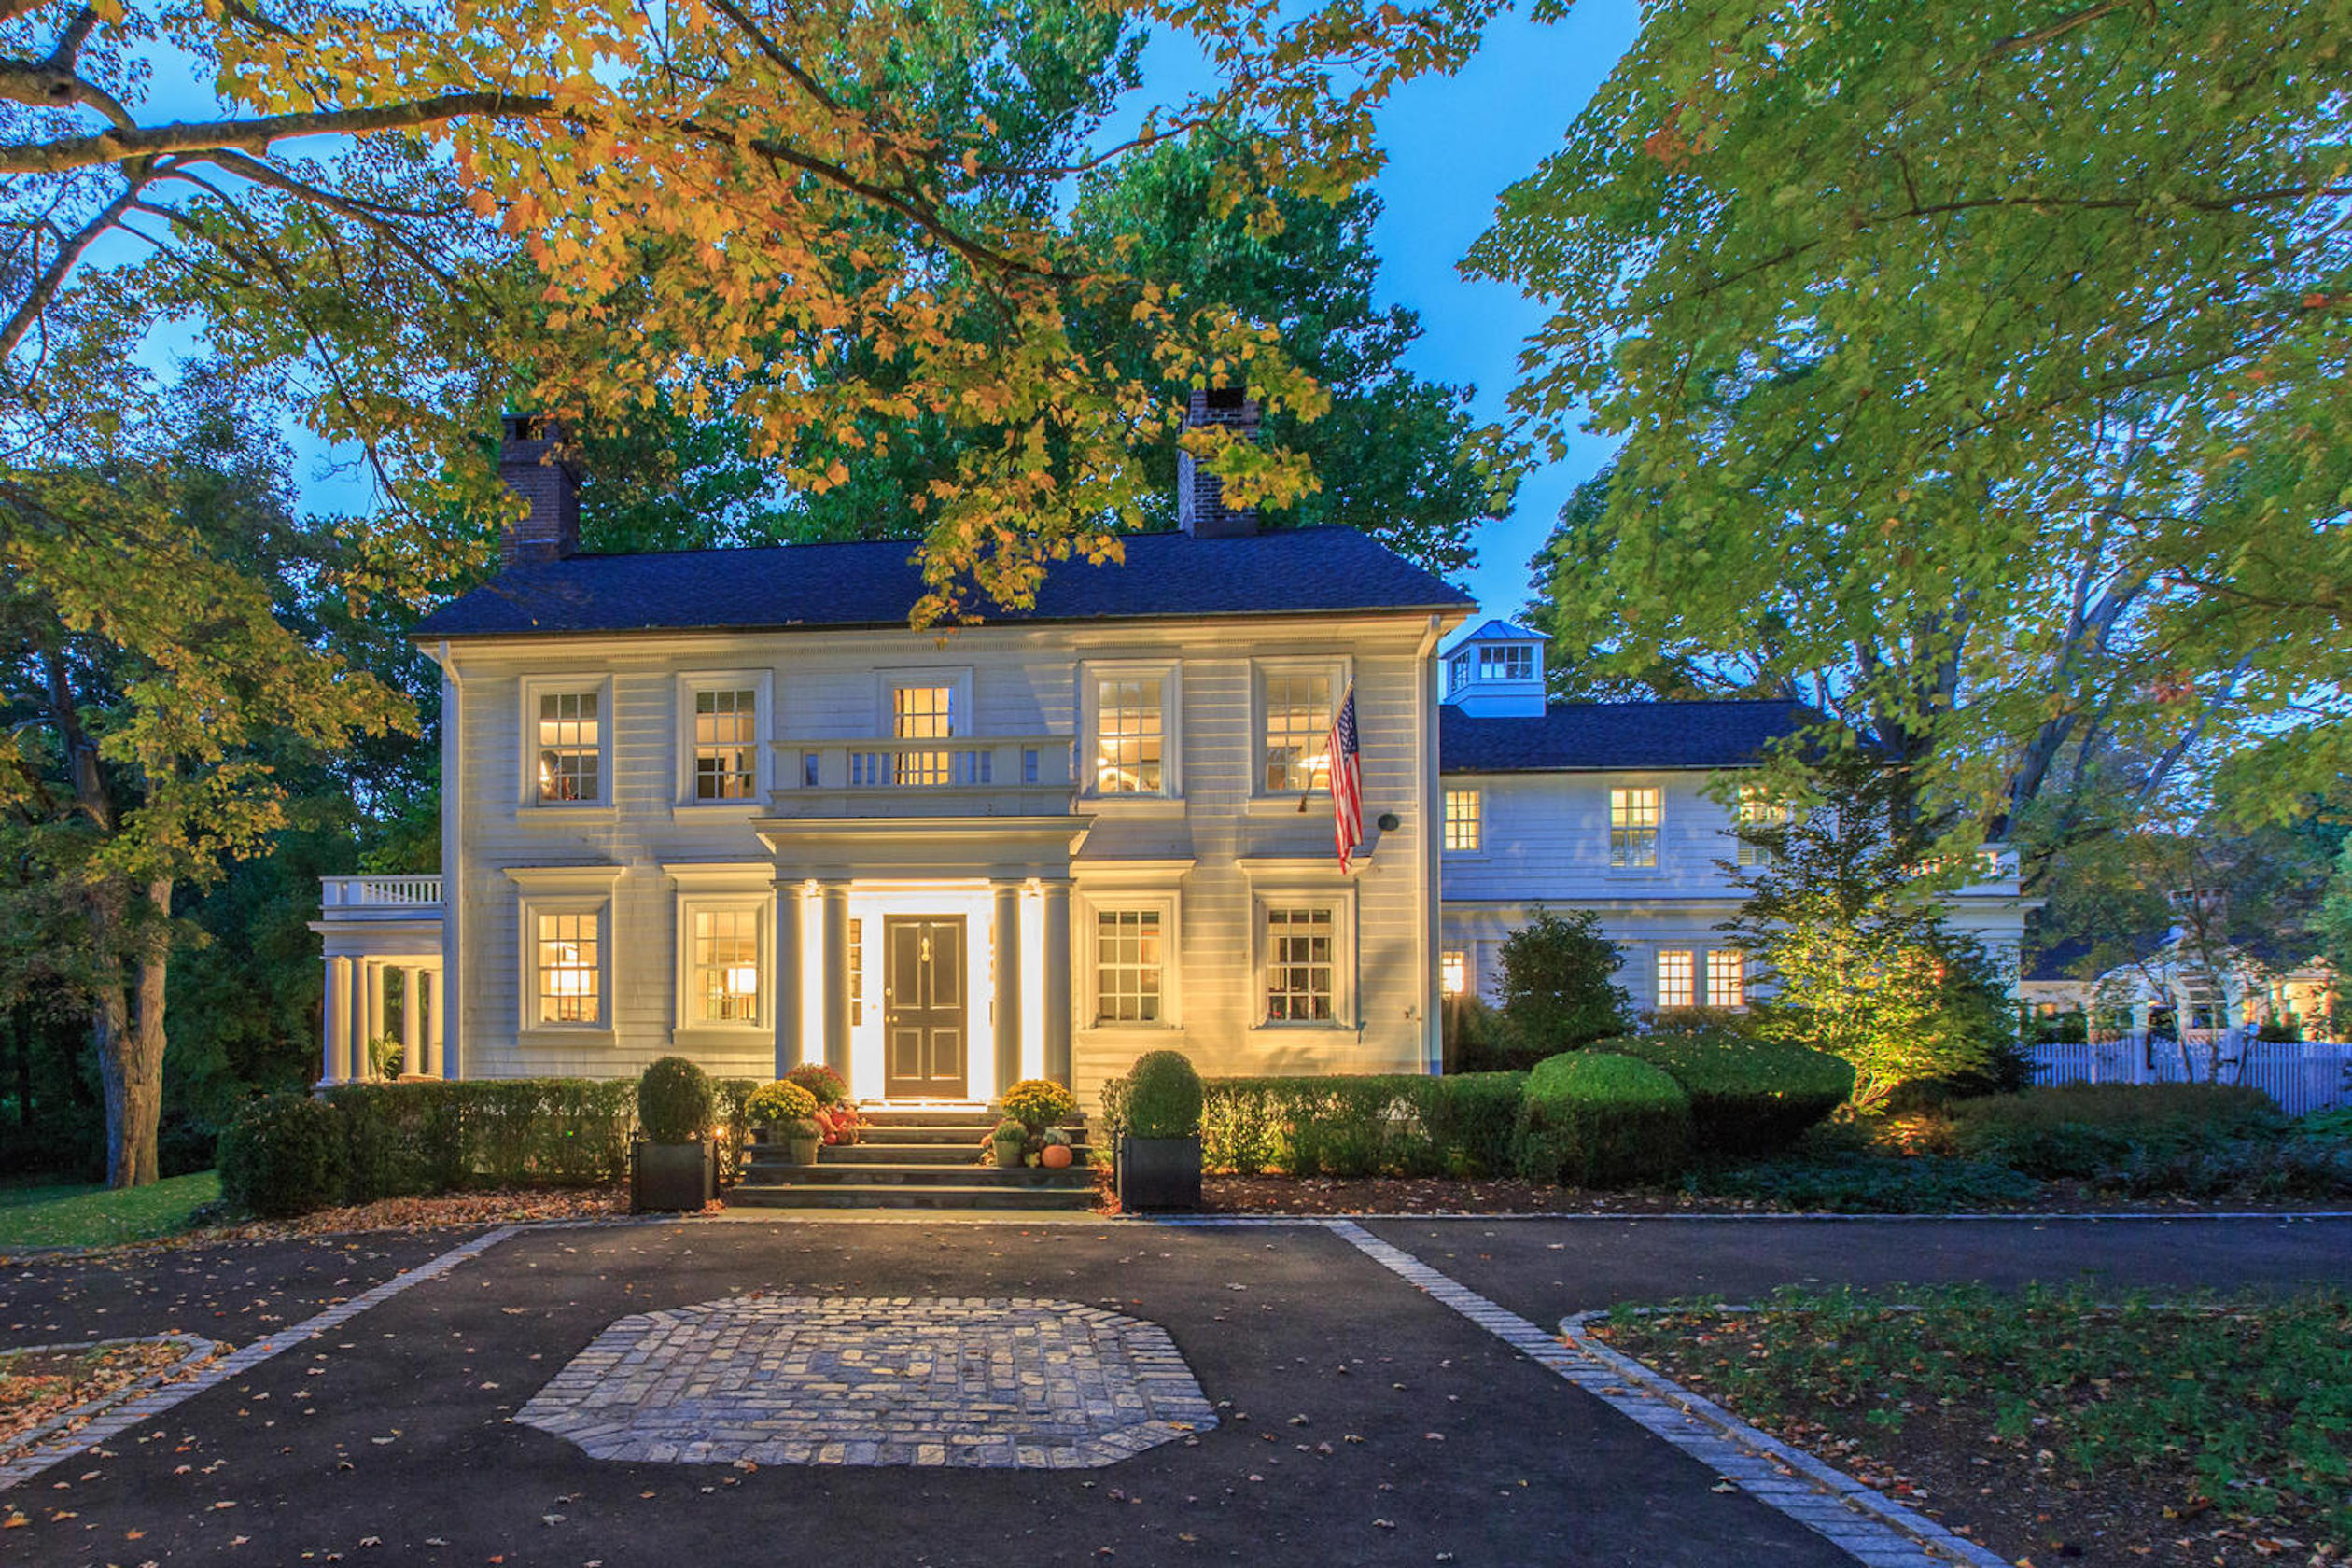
{"x":1055,"y":1156}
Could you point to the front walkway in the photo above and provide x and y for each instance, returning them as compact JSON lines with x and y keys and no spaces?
{"x":1362,"y":1413}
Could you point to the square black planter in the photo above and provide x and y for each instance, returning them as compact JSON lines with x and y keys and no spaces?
{"x":1158,"y":1173}
{"x":667,"y":1178}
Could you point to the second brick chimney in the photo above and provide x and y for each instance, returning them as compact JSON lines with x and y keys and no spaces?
{"x":1200,"y":506}
{"x":548,"y":486}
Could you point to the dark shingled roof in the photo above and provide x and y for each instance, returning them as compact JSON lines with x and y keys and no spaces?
{"x":1286,"y":571}
{"x":1617,"y":736}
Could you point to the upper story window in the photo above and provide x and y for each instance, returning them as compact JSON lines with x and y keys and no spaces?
{"x":1131,"y":716}
{"x":1297,"y":738}
{"x":923,"y":712}
{"x":1464,"y":828}
{"x":570,"y":739}
{"x":1507,"y":663}
{"x":1458,"y":671}
{"x":1758,"y":809}
{"x":1633,"y":829}
{"x":726,"y":732}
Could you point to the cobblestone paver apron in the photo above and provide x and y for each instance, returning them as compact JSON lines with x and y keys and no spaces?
{"x":998,"y":1383}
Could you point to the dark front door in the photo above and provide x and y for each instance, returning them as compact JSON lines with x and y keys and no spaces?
{"x":923,"y":1019}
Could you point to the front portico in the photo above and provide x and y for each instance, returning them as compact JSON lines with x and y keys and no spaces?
{"x":906,"y":944}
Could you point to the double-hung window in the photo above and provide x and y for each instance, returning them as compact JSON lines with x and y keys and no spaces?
{"x":1130,"y":966}
{"x":725,"y":965}
{"x":569,"y":961}
{"x":1674,"y":979}
{"x":1464,"y":828}
{"x":1510,"y":663}
{"x":1131,"y":716}
{"x":1301,"y":964}
{"x":1295,"y":704}
{"x":726,"y":736}
{"x":568,"y":737}
{"x":1726,"y":978}
{"x":1757,"y":810}
{"x":1454,"y":972}
{"x":1633,"y":829}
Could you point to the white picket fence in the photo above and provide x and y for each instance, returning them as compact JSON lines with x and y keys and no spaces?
{"x":2303,"y":1076}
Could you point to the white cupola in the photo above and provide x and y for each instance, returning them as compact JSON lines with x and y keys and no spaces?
{"x":1496,"y":672}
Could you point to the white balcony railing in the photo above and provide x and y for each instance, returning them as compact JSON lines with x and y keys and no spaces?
{"x":979,"y":775}
{"x":408,"y":893}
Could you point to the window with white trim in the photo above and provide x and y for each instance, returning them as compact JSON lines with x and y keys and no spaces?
{"x":567,"y":961}
{"x":1463,"y":824}
{"x":1726,"y":978}
{"x":1130,"y":966}
{"x":727,"y":741}
{"x":922,"y":712}
{"x":724,"y":969}
{"x":1454,"y":972}
{"x":1297,"y":705}
{"x":857,"y":973}
{"x":570,"y":742}
{"x":1633,"y":829}
{"x":1674,"y":978}
{"x":1757,"y":810}
{"x":1301,"y":964}
{"x":1131,"y":727}
{"x":1509,"y":663}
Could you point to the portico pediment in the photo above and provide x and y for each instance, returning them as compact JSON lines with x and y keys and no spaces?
{"x":925,"y":846}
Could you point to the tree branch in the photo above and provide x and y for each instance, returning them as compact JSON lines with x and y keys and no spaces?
{"x":52,"y":278}
{"x":256,"y":134}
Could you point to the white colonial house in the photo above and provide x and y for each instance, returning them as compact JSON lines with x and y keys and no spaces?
{"x":726,"y":804}
{"x":1607,"y":806}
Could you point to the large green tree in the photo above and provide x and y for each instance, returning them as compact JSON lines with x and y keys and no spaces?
{"x":1978,"y":371}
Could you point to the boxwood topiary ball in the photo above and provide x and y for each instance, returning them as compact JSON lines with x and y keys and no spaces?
{"x":674,"y":1101}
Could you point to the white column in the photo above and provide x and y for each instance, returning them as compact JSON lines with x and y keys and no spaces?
{"x":834,"y":897}
{"x":1057,"y":998}
{"x":355,"y":1031}
{"x":334,"y":1017}
{"x":411,"y":1018}
{"x":1007,"y":956}
{"x":376,"y":1010}
{"x":788,"y":976}
{"x":434,"y":1065}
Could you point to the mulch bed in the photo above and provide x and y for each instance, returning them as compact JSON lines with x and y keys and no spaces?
{"x":1384,"y":1194}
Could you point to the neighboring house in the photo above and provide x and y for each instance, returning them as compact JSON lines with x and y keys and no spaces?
{"x":726,"y":804}
{"x":1604,"y":807}
{"x":2197,"y":990}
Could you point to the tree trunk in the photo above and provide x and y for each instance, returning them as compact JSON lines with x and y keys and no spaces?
{"x":131,"y":1053}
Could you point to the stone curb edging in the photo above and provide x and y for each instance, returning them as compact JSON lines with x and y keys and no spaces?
{"x":1859,"y":1522}
{"x":194,"y":1347}
{"x":1759,"y":1454}
{"x":123,"y":1416}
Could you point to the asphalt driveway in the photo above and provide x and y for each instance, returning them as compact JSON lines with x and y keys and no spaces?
{"x":1361,"y":1421}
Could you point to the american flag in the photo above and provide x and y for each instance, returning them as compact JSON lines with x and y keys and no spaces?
{"x":1347,"y":779}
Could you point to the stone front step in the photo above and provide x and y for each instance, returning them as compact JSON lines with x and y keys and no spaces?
{"x":958,"y":1196}
{"x":828,"y":1175}
{"x":872,"y":1153}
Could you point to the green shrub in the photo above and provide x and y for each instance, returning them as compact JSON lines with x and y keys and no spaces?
{"x":779,"y":1104}
{"x":402,"y":1140}
{"x":1038,"y":1103}
{"x":675,"y":1103}
{"x":1558,"y":986}
{"x":828,"y":1086}
{"x":732,"y":1096}
{"x":1480,"y":1039}
{"x":2329,"y":1125}
{"x":283,"y":1155}
{"x":2078,"y":1130}
{"x":1591,"y":1118}
{"x":406,"y":1139}
{"x":1858,"y":1184}
{"x":2241,"y":1167}
{"x":1163,"y":1097}
{"x":1747,"y":1095}
{"x":1387,"y":1125}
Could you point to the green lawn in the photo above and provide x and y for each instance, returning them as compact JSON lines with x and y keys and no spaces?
{"x":81,"y":1216}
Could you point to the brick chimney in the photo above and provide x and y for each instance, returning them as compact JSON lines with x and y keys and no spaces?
{"x":1200,"y":507}
{"x":548,"y":486}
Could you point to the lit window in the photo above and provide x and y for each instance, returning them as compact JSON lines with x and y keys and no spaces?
{"x":570,"y":749}
{"x":1673,"y":980}
{"x":922,"y":713}
{"x":1757,"y":810}
{"x":1506,"y":664}
{"x":1454,"y":972}
{"x":1297,"y":732}
{"x":1726,"y":978}
{"x":1128,"y":966}
{"x":857,"y":971}
{"x":1632,"y":828}
{"x":726,"y":977}
{"x":570,"y":974}
{"x":1298,"y":968}
{"x":726,"y":726}
{"x":1128,"y":732}
{"x":1461,"y":820}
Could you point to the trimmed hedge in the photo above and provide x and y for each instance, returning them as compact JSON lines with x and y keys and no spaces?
{"x":675,"y":1102}
{"x":1377,"y":1124}
{"x":1592,"y":1118}
{"x":407,"y":1138}
{"x":283,"y":1155}
{"x":2085,"y":1130}
{"x":1747,"y":1095}
{"x":1162,"y":1096}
